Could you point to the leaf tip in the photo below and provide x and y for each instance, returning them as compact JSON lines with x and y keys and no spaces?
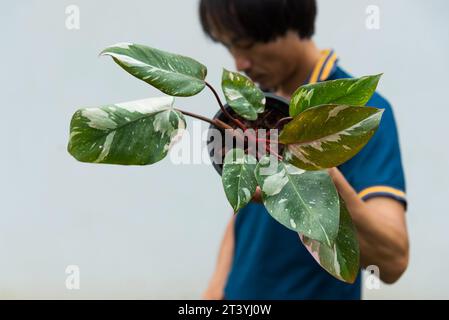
{"x":103,"y":53}
{"x":377,"y":77}
{"x":121,"y":45}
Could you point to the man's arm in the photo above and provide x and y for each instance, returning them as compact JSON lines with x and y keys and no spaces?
{"x":215,"y":290}
{"x":381,"y":228}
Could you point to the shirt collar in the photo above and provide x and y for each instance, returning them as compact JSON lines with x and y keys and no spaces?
{"x":325,"y":66}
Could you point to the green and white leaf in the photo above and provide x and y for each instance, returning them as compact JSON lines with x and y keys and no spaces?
{"x":131,"y":133}
{"x":244,"y":97}
{"x":328,"y":135}
{"x":173,"y":74}
{"x":342,"y":260}
{"x":238,"y":178}
{"x":303,"y":201}
{"x":354,"y":91}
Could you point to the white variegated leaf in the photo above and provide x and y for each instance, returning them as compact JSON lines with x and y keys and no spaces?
{"x":244,"y":97}
{"x":303,"y":201}
{"x":173,"y":74}
{"x":131,"y":133}
{"x":238,"y":178}
{"x":342,"y":259}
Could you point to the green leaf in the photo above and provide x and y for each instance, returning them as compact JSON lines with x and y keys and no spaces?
{"x":356,"y":92}
{"x":173,"y":74}
{"x":342,"y":260}
{"x":238,"y":178}
{"x":244,"y":97}
{"x":131,"y":133}
{"x":328,"y":135}
{"x":303,"y":201}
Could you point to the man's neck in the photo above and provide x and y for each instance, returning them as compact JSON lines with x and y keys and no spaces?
{"x":307,"y":57}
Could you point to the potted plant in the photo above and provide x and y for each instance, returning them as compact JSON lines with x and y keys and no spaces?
{"x":282,"y":148}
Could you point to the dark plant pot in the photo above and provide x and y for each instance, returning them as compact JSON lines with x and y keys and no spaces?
{"x":278,"y":107}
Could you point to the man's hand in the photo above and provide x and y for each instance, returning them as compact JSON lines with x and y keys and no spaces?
{"x":381,"y":227}
{"x":257,"y":196}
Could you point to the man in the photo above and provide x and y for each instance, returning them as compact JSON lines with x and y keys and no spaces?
{"x":270,"y":41}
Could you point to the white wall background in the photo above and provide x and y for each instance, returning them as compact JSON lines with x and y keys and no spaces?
{"x":153,"y":232}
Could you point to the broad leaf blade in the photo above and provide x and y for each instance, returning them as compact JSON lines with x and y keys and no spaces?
{"x":238,"y":178}
{"x":303,"y":201}
{"x":342,"y":260}
{"x":354,"y":91}
{"x":173,"y":74}
{"x":329,"y":135}
{"x":132,"y":133}
{"x":244,"y":97}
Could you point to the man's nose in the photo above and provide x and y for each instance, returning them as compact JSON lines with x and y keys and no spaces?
{"x":242,"y":63}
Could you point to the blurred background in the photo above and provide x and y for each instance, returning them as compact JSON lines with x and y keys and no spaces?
{"x":153,"y":232}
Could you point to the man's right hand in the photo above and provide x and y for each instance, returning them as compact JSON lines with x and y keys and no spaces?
{"x":258,"y":195}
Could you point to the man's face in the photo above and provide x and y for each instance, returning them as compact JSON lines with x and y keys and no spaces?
{"x":268,"y":64}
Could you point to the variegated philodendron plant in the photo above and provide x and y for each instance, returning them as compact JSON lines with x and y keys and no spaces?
{"x":328,"y":125}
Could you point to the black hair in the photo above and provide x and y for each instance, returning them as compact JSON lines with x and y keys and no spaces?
{"x":258,"y":20}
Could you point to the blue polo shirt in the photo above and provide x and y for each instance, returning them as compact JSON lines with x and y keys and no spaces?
{"x":269,"y":260}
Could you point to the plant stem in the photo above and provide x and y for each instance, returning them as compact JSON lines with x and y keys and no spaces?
{"x":197,"y":116}
{"x":267,"y":146}
{"x":226,"y":113}
{"x":222,"y":125}
{"x":275,"y":153}
{"x":282,"y":120}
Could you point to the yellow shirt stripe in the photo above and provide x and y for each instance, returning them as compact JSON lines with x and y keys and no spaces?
{"x":385,"y":189}
{"x":328,"y":68}
{"x":319,"y":65}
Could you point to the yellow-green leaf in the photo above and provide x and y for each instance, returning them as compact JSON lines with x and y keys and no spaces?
{"x":353,"y":91}
{"x":328,"y":135}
